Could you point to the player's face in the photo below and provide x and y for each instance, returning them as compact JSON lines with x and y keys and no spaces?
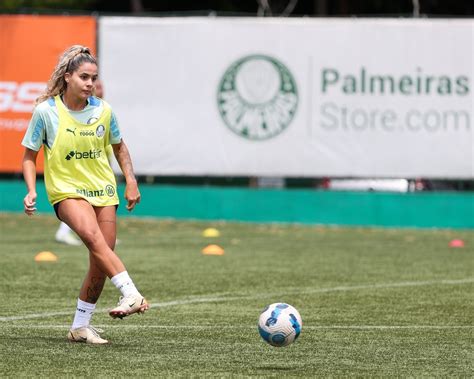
{"x":81,"y":82}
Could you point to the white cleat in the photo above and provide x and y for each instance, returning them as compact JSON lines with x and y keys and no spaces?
{"x":86,"y":334}
{"x":68,"y":238}
{"x":129,"y":305}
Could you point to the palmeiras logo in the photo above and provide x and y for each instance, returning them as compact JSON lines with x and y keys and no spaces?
{"x":257,"y":97}
{"x":100,"y":131}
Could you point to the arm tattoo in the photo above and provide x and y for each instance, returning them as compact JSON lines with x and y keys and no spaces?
{"x":125,"y":162}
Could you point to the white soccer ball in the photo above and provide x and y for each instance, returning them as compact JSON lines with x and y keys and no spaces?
{"x":279,"y":324}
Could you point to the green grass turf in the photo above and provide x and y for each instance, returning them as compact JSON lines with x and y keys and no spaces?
{"x":374,"y":302}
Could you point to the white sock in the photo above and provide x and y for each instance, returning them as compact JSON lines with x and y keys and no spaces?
{"x":63,"y":228}
{"x":84,"y":312}
{"x":124,"y":284}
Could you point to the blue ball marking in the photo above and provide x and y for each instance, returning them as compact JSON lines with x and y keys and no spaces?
{"x":264,"y":334}
{"x":295,"y":324}
{"x":272,"y":320}
{"x":278,"y":339}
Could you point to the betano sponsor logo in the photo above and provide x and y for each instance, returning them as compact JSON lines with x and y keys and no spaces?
{"x":91,"y":154}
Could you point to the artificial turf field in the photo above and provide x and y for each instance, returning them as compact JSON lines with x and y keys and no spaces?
{"x":374,"y":302}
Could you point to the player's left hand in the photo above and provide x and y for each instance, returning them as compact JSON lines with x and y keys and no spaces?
{"x":132,"y":195}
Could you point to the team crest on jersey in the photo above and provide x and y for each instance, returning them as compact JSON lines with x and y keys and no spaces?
{"x":100,"y":131}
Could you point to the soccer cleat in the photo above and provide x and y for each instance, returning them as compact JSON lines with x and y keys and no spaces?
{"x":86,"y":334}
{"x":68,"y":238}
{"x":128,"y":305}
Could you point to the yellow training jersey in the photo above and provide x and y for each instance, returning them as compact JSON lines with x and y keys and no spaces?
{"x":76,"y":165}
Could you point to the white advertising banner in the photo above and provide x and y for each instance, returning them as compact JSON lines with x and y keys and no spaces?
{"x":292,"y":97}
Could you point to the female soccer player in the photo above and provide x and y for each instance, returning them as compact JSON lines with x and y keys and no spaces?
{"x":75,"y":128}
{"x":65,"y":234}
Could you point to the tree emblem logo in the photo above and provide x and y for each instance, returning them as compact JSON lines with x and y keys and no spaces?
{"x":100,"y":131}
{"x":257,"y":97}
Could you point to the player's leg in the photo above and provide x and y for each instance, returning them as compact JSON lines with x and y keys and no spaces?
{"x":90,"y":292}
{"x":103,"y":262}
{"x":82,"y":218}
{"x":81,"y":330}
{"x":131,"y":301}
{"x":95,"y":279}
{"x":96,"y":226}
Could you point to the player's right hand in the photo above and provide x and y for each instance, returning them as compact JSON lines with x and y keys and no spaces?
{"x":29,"y":203}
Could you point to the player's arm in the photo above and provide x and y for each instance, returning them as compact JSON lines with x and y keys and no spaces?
{"x":132,"y":194}
{"x":29,"y":173}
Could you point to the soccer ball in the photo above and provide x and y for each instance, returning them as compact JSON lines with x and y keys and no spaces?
{"x":279,"y":324}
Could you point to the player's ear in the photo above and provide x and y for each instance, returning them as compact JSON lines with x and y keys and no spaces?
{"x":67,"y":77}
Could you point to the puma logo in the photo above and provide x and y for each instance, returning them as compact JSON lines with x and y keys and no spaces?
{"x":71,"y":131}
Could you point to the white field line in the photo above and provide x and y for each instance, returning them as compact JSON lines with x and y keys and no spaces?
{"x":248,"y":327}
{"x":223,"y":298}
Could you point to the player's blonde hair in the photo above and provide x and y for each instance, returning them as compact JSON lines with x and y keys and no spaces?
{"x":69,"y":62}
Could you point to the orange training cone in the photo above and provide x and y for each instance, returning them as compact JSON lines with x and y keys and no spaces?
{"x":46,"y":256}
{"x":213,"y":250}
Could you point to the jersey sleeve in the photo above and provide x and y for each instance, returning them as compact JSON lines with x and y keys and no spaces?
{"x":35,"y":134}
{"x":115,"y":136}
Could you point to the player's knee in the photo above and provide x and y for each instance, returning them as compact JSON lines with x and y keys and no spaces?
{"x":91,"y":238}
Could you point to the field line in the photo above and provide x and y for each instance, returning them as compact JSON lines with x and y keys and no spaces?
{"x":387,"y":285}
{"x":223,"y":298}
{"x":247,"y":327}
